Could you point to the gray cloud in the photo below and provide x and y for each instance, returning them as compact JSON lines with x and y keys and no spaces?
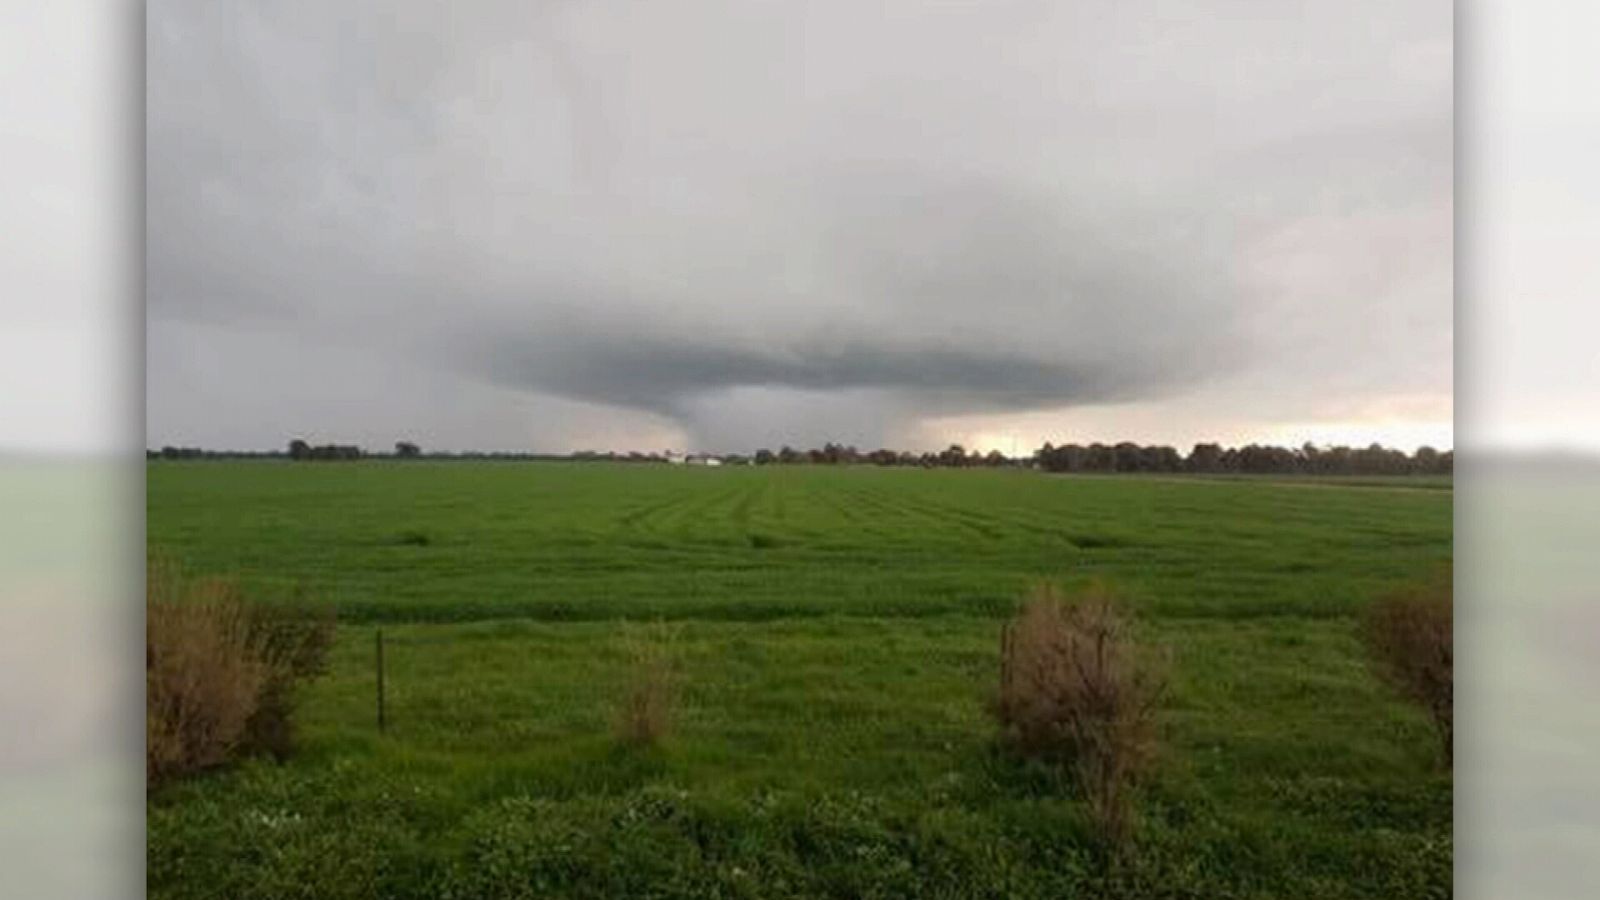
{"x":706,"y":213}
{"x":658,"y":374}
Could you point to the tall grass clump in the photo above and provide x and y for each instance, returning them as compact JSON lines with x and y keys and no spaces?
{"x":1078,"y":691}
{"x":1409,"y":640}
{"x":220,"y":672}
{"x":650,"y":688}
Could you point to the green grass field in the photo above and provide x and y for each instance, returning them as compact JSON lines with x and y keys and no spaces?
{"x":838,"y":635}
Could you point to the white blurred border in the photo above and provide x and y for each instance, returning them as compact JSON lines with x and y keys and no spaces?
{"x":71,"y":464}
{"x":71,"y":426}
{"x":1528,"y":436}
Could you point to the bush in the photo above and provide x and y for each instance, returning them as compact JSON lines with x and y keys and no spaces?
{"x":1077,"y":691}
{"x":644,"y":715}
{"x":1409,"y":638}
{"x":202,"y":679}
{"x":293,"y":640}
{"x":220,"y":673}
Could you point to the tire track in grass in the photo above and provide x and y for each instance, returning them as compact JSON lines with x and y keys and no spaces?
{"x":902,"y":507}
{"x":1016,"y":520}
{"x":732,"y":518}
{"x":647,"y":526}
{"x":702,"y":516}
{"x":755,"y":515}
{"x":780,"y":500}
{"x":996,"y":528}
{"x":804,"y":515}
{"x":771,"y":519}
{"x":1047,"y":526}
{"x":859,"y":521}
{"x":747,"y":498}
{"x":910,"y":525}
{"x":633,"y":517}
{"x":1023,"y":526}
{"x":926,"y":522}
{"x":951,"y":516}
{"x":684,"y":520}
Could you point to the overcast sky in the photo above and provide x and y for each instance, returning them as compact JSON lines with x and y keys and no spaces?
{"x":719,"y":226}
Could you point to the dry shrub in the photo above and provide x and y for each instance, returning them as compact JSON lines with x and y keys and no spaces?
{"x":220,"y":672}
{"x":1409,"y":637}
{"x":644,"y":715}
{"x":1077,"y":690}
{"x":202,"y":678}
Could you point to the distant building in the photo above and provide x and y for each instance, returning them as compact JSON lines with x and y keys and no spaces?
{"x":702,"y":459}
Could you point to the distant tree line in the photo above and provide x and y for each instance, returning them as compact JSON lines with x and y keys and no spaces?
{"x":1254,"y":459}
{"x":1205,"y":458}
{"x":954,"y":456}
{"x":170,"y":452}
{"x":300,"y":451}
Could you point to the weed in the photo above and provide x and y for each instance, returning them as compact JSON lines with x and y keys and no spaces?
{"x":1076,"y":690}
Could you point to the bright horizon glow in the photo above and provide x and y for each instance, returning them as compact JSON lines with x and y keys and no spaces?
{"x":1407,"y":437}
{"x":1402,"y":424}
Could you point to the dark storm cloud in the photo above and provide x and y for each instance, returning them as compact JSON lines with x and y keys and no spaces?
{"x":656,"y":374}
{"x":704,"y":210}
{"x":966,"y":295}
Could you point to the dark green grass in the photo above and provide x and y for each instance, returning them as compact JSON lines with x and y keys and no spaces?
{"x":455,"y":541}
{"x":838,"y":639}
